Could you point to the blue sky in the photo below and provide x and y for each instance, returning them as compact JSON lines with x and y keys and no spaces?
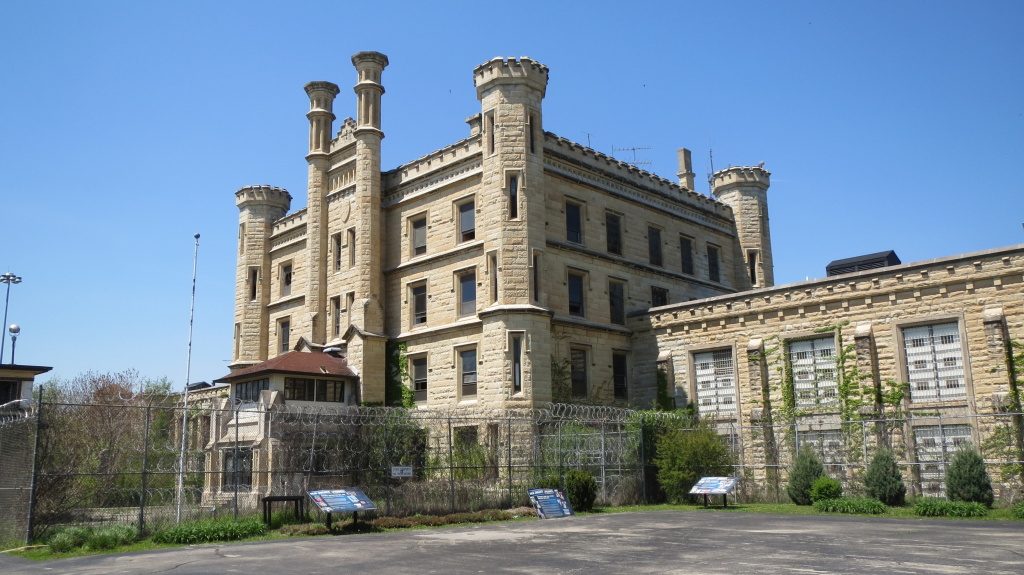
{"x":126,"y":127}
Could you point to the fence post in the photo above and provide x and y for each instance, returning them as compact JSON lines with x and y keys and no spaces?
{"x":451,"y":466}
{"x":604,"y":457}
{"x":35,"y":470}
{"x":942,"y":446}
{"x":234,"y":461}
{"x":864,"y":441}
{"x":145,"y":465}
{"x":508,"y":440}
{"x":643,"y":460}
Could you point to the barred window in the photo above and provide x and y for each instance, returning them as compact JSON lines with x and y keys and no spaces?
{"x":613,"y":230}
{"x":935,"y":446}
{"x":619,"y":375}
{"x":715,"y":379}
{"x":935,"y":362}
{"x":578,"y":372}
{"x":237,"y":470}
{"x":813,"y":365}
{"x":617,"y":302}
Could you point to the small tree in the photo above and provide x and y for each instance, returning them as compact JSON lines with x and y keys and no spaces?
{"x":967,"y":479}
{"x":806,"y":470}
{"x":883,"y":481}
{"x":686,"y":455}
{"x":581,"y":489}
{"x":824,"y":488}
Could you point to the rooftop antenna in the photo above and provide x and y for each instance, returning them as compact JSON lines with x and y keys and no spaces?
{"x":711,"y":167}
{"x":635,"y":162}
{"x":588,"y":139}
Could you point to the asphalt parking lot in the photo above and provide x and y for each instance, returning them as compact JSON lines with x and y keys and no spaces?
{"x":690,"y":542}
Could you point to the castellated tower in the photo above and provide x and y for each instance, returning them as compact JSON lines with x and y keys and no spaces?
{"x":512,"y":205}
{"x":258,"y":208}
{"x":745,"y":190}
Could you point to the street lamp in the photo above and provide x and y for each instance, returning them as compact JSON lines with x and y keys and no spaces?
{"x":15,"y":329}
{"x":7,"y":278}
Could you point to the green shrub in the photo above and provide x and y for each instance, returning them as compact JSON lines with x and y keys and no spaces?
{"x":883,"y":480}
{"x":78,"y":535}
{"x":1018,"y":510}
{"x":824,"y":488}
{"x":683,"y":456}
{"x":552,"y":481}
{"x":63,"y":542}
{"x":852,"y":505}
{"x":210,"y":530}
{"x":806,"y":470}
{"x":101,"y":540}
{"x":933,"y":507}
{"x":967,"y":479}
{"x":581,"y":489}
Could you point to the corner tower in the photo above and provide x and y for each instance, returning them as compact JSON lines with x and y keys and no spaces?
{"x":511,"y":91}
{"x":258,"y":208}
{"x":745,"y":190}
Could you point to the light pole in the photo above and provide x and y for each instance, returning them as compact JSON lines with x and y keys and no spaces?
{"x":7,"y":278}
{"x":15,"y":329}
{"x":188,"y":369}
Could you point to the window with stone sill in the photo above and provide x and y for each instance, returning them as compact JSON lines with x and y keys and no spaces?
{"x":815,"y":379}
{"x":467,"y":221}
{"x":419,"y":378}
{"x":935,"y":363}
{"x":715,"y":380}
{"x":418,"y":233}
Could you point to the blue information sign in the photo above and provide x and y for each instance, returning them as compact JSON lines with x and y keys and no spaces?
{"x":714,"y":485}
{"x":550,"y":503}
{"x":341,"y":500}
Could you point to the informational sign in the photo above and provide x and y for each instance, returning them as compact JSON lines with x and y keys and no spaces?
{"x":341,"y":500}
{"x":398,"y":471}
{"x":714,"y":486}
{"x":550,"y":503}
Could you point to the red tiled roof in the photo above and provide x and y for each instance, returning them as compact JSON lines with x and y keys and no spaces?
{"x":294,"y":362}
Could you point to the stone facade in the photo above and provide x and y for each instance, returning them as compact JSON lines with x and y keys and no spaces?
{"x":936,"y":331}
{"x":506,"y":262}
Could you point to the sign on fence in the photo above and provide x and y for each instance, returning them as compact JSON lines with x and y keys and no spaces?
{"x":400,"y":471}
{"x":550,"y":503}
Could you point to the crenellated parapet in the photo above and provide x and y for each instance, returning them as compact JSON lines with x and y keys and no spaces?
{"x":740,"y":176}
{"x":270,"y":196}
{"x":522,"y":70}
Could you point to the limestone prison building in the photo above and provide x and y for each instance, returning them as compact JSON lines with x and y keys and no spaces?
{"x":520,"y":268}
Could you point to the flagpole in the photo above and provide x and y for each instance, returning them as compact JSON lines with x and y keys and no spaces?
{"x":188,"y":374}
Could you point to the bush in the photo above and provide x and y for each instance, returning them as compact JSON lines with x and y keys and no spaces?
{"x":967,"y":479}
{"x":552,"y":481}
{"x":101,"y":540}
{"x":932,"y":507}
{"x":806,"y":470}
{"x":63,"y":542}
{"x":210,"y":530}
{"x":683,"y":456}
{"x":581,"y":489}
{"x":853,"y":505}
{"x":824,"y":488}
{"x":1018,"y":510}
{"x":883,"y":481}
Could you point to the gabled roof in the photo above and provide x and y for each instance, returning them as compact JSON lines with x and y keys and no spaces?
{"x":294,"y":363}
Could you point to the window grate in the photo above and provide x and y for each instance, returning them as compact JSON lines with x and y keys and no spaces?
{"x":716,"y":382}
{"x":935,"y":366}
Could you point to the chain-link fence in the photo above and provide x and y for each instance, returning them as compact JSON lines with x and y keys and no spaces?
{"x":146,"y":461}
{"x":129,"y":462}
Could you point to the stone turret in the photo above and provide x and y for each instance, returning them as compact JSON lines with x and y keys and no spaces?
{"x":685,"y":173}
{"x":258,"y":208}
{"x":511,"y":199}
{"x":745,"y":190}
